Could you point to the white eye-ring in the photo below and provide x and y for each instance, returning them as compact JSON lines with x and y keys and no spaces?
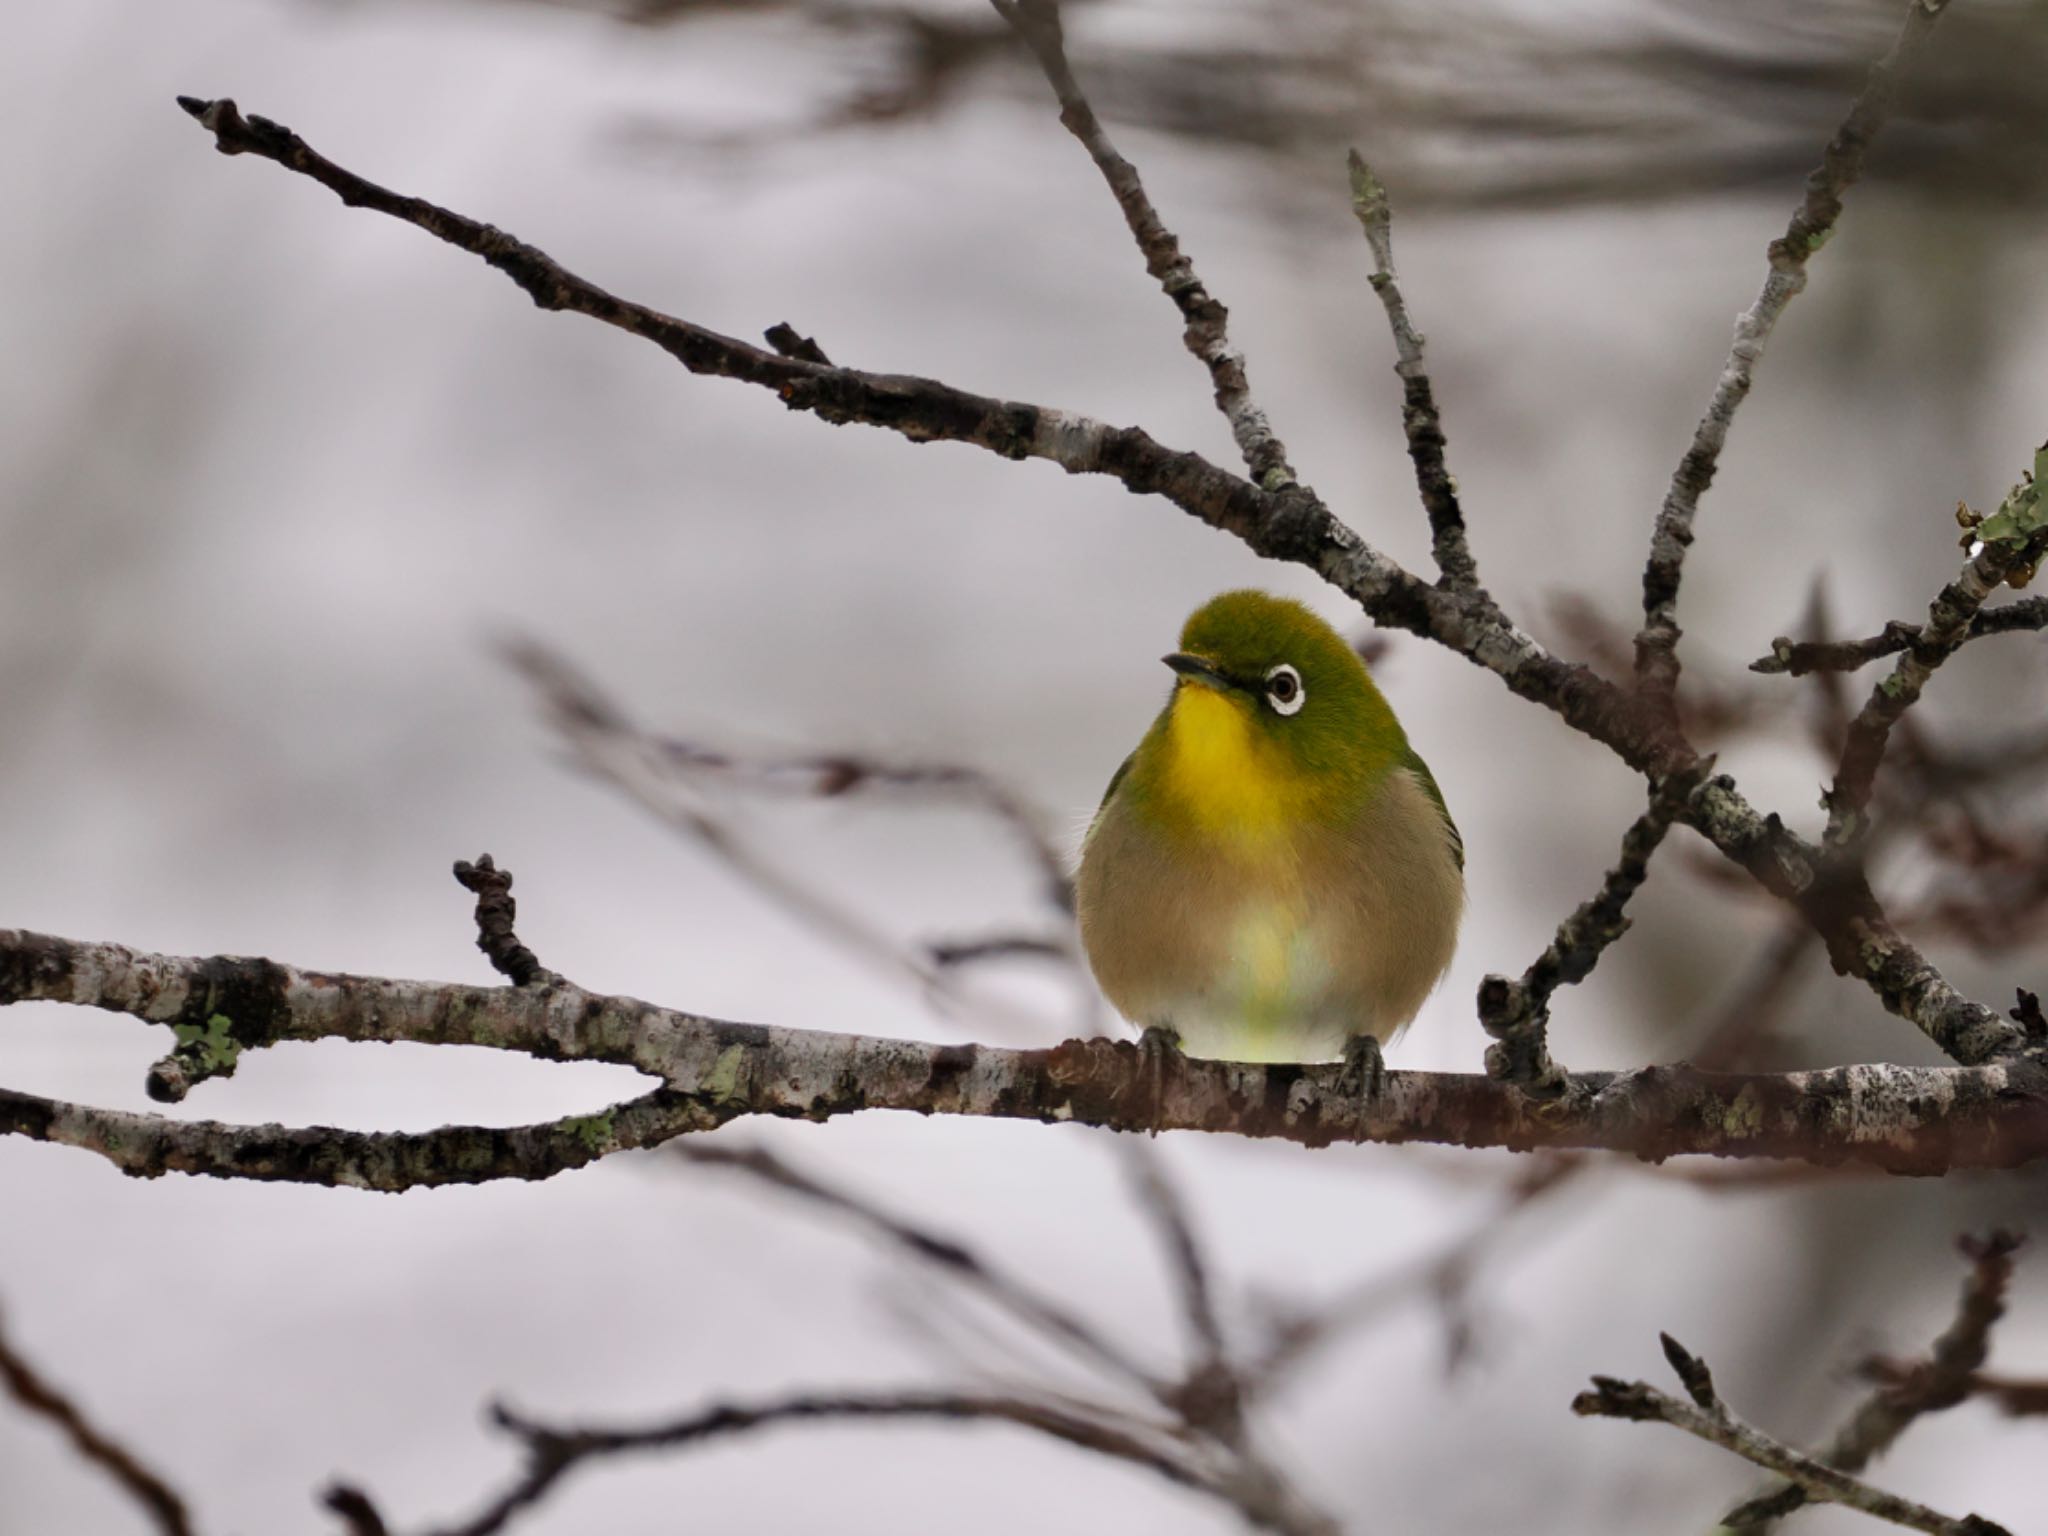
{"x":1284,"y":691}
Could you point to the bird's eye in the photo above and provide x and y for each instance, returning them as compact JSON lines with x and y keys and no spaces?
{"x":1284,"y":691}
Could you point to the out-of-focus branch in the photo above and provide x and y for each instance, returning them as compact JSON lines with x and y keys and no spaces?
{"x":27,"y":1386}
{"x":1206,"y":322}
{"x":829,"y":775}
{"x":553,"y":1452}
{"x":1657,"y":664}
{"x":1517,"y":1013}
{"x":1797,"y":658}
{"x":1420,"y":419}
{"x":1041,"y":1314}
{"x":2016,"y":1397}
{"x":1709,"y":1418}
{"x":1940,"y":1381}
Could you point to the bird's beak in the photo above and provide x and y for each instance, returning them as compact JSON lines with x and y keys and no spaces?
{"x":1197,"y":669}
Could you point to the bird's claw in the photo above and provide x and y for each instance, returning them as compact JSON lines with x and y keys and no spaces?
{"x":1364,"y":1075}
{"x":1158,"y":1053}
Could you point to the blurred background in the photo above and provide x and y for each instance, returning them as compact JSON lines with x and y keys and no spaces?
{"x":274,"y":474}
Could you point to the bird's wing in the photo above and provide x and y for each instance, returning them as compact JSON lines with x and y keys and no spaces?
{"x":1109,"y":794}
{"x":1413,"y":762}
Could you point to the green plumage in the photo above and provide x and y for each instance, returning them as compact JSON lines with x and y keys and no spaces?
{"x":1273,"y":871}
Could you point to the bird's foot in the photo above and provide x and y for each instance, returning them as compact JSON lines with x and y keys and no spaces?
{"x":1159,"y":1052}
{"x":1365,"y":1070}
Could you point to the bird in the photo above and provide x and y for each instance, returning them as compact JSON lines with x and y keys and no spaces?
{"x":1273,"y":874}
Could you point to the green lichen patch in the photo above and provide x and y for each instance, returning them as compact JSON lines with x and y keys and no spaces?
{"x":593,"y":1132}
{"x":211,"y":1047}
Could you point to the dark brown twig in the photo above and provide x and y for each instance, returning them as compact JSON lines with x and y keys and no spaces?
{"x":1517,"y":1013}
{"x":785,"y":339}
{"x":1946,"y":630}
{"x":1657,"y":664}
{"x":1421,"y":422}
{"x":1709,"y":1418}
{"x":1797,"y":658}
{"x":495,"y":912}
{"x":27,"y":1386}
{"x":1940,"y":1381}
{"x":1206,"y":322}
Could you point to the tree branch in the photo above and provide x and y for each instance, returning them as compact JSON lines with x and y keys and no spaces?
{"x":1657,"y":664}
{"x":1292,"y":525}
{"x":166,"y":1510}
{"x":1517,"y":1013}
{"x":1420,"y":421}
{"x":1941,"y":1381}
{"x":1708,"y":1417}
{"x":1206,"y":332}
{"x":1905,"y":1119}
{"x":1947,"y":628}
{"x":1797,"y":658}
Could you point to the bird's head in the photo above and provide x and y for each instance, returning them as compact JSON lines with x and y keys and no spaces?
{"x":1266,"y":691}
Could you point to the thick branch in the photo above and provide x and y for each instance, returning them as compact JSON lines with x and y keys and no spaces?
{"x":1707,"y":1417}
{"x":1905,"y":1119}
{"x":1420,"y":421}
{"x":1206,"y":330}
{"x":1812,"y":222}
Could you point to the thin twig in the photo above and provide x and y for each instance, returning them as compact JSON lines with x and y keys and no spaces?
{"x":1211,"y":1397}
{"x":1517,"y":1013}
{"x":1709,"y":1418}
{"x":1797,"y":658}
{"x":1946,"y":630}
{"x":1041,"y":1314}
{"x":1657,"y":664}
{"x":1420,"y":420}
{"x":495,"y":914}
{"x":1941,"y":1381}
{"x":828,"y":775}
{"x":1206,"y":322}
{"x":552,"y":1453}
{"x":38,"y":1396}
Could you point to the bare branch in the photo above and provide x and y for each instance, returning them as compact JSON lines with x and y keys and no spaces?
{"x":828,"y":775}
{"x":1941,"y":1381}
{"x":166,"y":1510}
{"x":1206,"y":330}
{"x":1291,"y":525}
{"x":1657,"y":664}
{"x":495,"y":914}
{"x":1517,"y":1013}
{"x":1797,"y":658}
{"x":1043,"y":1315}
{"x":1211,"y":1397}
{"x":1947,"y":628}
{"x":552,"y":1453}
{"x":1906,"y":1119}
{"x":1420,"y":420}
{"x":1708,"y":1417}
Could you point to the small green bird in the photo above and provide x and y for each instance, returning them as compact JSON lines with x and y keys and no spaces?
{"x":1273,"y":875}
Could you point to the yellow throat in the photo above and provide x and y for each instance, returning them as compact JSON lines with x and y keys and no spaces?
{"x":1222,"y":775}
